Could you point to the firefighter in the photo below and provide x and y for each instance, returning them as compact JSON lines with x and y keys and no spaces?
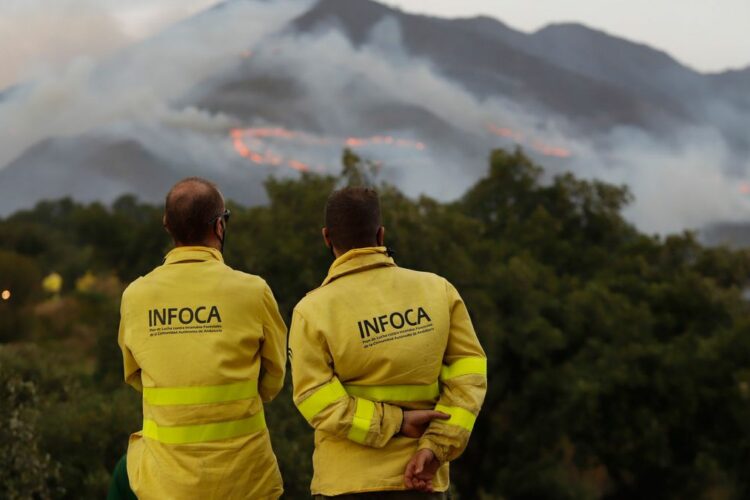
{"x":206,"y":346}
{"x":385,"y":365}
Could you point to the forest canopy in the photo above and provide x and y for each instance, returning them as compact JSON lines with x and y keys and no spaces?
{"x":619,"y":362}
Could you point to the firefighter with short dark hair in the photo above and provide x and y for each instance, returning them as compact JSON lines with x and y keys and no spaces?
{"x":385,"y":365}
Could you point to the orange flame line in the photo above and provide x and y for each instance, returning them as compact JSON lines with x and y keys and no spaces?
{"x":535,"y":144}
{"x":255,"y":136}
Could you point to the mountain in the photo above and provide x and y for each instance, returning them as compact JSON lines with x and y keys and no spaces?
{"x":485,"y":60}
{"x":734,"y":84}
{"x":426,"y":96}
{"x":92,"y":168}
{"x":86,"y":168}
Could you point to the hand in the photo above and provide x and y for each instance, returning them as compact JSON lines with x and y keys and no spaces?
{"x":421,"y":470}
{"x":415,"y":422}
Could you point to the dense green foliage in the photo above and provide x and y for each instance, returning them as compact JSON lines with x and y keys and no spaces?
{"x":619,"y":363}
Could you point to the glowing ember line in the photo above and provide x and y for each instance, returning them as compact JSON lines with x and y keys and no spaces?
{"x":298,"y":165}
{"x":249,"y":143}
{"x":240,"y":147}
{"x":282,"y":133}
{"x":535,"y":144}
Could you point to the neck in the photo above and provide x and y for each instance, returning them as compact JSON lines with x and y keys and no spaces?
{"x":210,"y":244}
{"x":338,"y":253}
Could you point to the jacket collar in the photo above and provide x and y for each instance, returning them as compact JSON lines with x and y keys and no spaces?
{"x":182,"y":254}
{"x":358,"y":259}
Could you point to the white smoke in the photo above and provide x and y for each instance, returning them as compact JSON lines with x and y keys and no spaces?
{"x":343,"y":84}
{"x":41,"y":36}
{"x":686,"y":185}
{"x":136,"y":94}
{"x":138,"y":85}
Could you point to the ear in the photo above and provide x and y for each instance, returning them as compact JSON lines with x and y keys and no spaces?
{"x":221,"y":227}
{"x":164,"y":223}
{"x":326,"y":238}
{"x":380,"y":236}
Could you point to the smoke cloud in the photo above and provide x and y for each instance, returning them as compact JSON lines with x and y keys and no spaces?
{"x":684,"y":185}
{"x":41,"y":36}
{"x":137,"y":85}
{"x":159,"y":93}
{"x":687,"y":182}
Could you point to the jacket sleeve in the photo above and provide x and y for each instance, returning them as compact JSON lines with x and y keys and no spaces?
{"x":321,"y":398}
{"x":132,"y":370}
{"x":463,"y":384}
{"x":273,"y":349}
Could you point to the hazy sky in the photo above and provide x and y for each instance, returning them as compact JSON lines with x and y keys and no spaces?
{"x":708,"y":35}
{"x":37,"y":36}
{"x":41,"y":35}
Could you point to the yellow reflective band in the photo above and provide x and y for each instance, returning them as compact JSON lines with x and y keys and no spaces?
{"x":164,"y":396}
{"x":395,"y":392}
{"x":459,"y":416}
{"x":186,"y":434}
{"x":361,"y":422}
{"x":464,"y":366}
{"x":320,"y":399}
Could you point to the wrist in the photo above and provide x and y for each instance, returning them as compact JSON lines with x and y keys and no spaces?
{"x":434,"y":448}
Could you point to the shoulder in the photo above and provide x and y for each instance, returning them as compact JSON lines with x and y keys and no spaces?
{"x":133,"y":288}
{"x":245,"y":280}
{"x":424,"y":277}
{"x":316,"y":300}
{"x":250,"y":289}
{"x":130,"y":296}
{"x":143,"y":282}
{"x":309,"y":303}
{"x":429,"y":283}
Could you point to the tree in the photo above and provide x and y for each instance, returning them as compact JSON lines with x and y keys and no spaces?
{"x":618,"y":361}
{"x":20,"y":282}
{"x":26,"y":470}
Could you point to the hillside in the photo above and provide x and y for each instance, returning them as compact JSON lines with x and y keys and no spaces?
{"x":217,"y":98}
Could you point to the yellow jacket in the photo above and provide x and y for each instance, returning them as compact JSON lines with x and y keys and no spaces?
{"x":374,"y":339}
{"x":205,"y":344}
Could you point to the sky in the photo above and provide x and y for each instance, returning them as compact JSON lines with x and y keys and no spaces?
{"x":37,"y":36}
{"x":707,"y":35}
{"x":41,"y":36}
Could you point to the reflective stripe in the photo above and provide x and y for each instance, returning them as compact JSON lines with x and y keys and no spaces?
{"x":317,"y":401}
{"x":362,"y":419}
{"x":164,"y":396}
{"x":394,"y":392}
{"x":464,"y":366}
{"x":459,"y":416}
{"x":185,"y":434}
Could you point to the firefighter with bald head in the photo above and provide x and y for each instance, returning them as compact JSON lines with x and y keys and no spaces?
{"x":206,"y":346}
{"x":386,"y":365}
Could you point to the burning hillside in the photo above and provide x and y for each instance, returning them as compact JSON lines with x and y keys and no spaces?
{"x":281,"y":147}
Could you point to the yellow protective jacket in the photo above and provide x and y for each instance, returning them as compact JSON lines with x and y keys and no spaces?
{"x":206,"y":346}
{"x":372,"y":340}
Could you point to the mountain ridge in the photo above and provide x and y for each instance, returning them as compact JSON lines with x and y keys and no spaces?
{"x":343,"y":72}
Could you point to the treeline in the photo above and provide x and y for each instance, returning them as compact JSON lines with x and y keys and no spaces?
{"x":619,"y":363}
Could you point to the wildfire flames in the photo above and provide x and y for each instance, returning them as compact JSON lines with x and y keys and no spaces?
{"x":533,"y":143}
{"x":256,"y":144}
{"x":252,"y":143}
